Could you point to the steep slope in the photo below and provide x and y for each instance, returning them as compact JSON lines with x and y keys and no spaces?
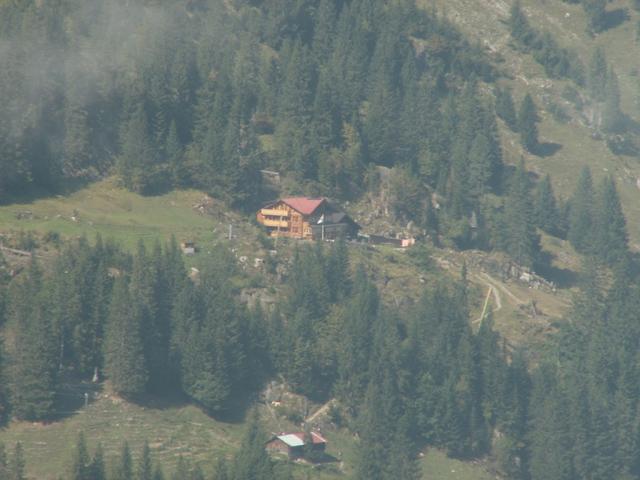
{"x":571,"y":144}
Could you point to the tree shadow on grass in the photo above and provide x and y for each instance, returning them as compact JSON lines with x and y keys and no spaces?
{"x":72,"y":396}
{"x":34,"y":192}
{"x":630,"y":125}
{"x":561,"y":277}
{"x":235,"y":410}
{"x":547,"y":149}
{"x":614,"y":18}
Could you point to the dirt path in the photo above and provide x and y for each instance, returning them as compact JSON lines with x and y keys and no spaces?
{"x":484,"y":278}
{"x":323,"y":409}
{"x":501,"y":286}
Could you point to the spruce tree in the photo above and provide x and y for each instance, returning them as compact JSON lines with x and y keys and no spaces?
{"x":136,"y":164}
{"x":403,"y":461}
{"x":207,"y":344}
{"x":519,"y":26}
{"x":221,"y":470}
{"x":81,"y":467}
{"x":354,"y":354}
{"x":125,"y":365}
{"x":4,"y":465}
{"x":97,"y":465}
{"x":480,"y":167}
{"x":337,"y":271}
{"x":527,"y":124}
{"x":4,"y":392}
{"x":612,"y":117}
{"x":17,"y":464}
{"x":596,"y":14}
{"x":252,"y":460}
{"x":182,"y":469}
{"x":597,"y":75}
{"x":158,"y":473}
{"x":505,"y":108}
{"x":324,"y":30}
{"x":551,"y":438}
{"x":610,"y":230}
{"x":545,"y":208}
{"x":523,"y":243}
{"x":151,"y":309}
{"x":581,"y":214}
{"x":34,"y":369}
{"x":123,"y":469}
{"x":377,"y":424}
{"x":144,"y":470}
{"x":174,"y":155}
{"x":77,"y":140}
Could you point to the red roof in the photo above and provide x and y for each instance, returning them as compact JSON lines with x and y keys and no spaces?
{"x":304,"y":205}
{"x":317,"y":438}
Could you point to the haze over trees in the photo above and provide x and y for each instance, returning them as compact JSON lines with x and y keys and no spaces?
{"x":205,"y":94}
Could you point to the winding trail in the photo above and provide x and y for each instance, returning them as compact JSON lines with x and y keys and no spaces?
{"x":323,"y":409}
{"x":487,"y":280}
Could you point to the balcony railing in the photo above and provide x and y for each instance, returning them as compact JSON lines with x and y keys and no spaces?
{"x":274,"y":212}
{"x":267,"y":222}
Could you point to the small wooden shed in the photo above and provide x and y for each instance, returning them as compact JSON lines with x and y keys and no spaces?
{"x":188,"y":247}
{"x":293,"y":444}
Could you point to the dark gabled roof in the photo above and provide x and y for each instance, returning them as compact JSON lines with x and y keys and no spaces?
{"x":336,"y":218}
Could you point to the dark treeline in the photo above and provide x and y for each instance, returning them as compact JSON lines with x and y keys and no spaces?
{"x":420,"y":377}
{"x":137,"y":318}
{"x":405,"y":379}
{"x":206,"y":93}
{"x":250,"y":462}
{"x":599,"y":77}
{"x":175,"y":93}
{"x":558,"y":62}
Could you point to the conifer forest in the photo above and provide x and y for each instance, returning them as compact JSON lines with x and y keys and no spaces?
{"x":419,"y":126}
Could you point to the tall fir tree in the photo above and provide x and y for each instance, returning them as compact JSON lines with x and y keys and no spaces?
{"x":523,"y":243}
{"x":581,"y":215}
{"x":252,"y":460}
{"x":125,"y":364}
{"x":136,"y":162}
{"x":144,"y":470}
{"x":610,"y":229}
{"x":81,"y":466}
{"x":98,"y":471}
{"x":505,"y":108}
{"x":35,"y":363}
{"x":520,"y":28}
{"x":4,"y":465}
{"x":612,"y":116}
{"x":17,"y":464}
{"x":596,"y":14}
{"x":123,"y":468}
{"x":527,"y":124}
{"x":545,"y":207}
{"x":597,"y":75}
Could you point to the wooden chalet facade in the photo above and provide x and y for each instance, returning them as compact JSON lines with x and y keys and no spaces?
{"x":306,"y":218}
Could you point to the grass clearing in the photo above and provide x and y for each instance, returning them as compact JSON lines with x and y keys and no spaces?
{"x":437,"y":466}
{"x":486,"y":22}
{"x":112,"y":212}
{"x":171,"y":430}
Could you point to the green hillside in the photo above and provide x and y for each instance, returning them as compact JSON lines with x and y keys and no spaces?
{"x":486,"y":22}
{"x":503,"y":344}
